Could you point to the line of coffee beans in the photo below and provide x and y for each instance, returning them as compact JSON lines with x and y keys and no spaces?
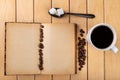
{"x":81,"y":49}
{"x":41,"y":46}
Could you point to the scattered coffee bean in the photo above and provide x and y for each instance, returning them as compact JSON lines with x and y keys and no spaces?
{"x":41,"y":40}
{"x":40,"y":50}
{"x":41,"y":46}
{"x":40,"y":67}
{"x":81,"y":35}
{"x":42,"y":26}
{"x":41,"y":61}
{"x":82,"y":31}
{"x":79,"y":38}
{"x":81,"y":49}
{"x":41,"y":54}
{"x":79,"y":68}
{"x":41,"y":36}
{"x":41,"y":30}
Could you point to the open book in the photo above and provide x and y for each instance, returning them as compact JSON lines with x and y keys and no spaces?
{"x":33,"y":48}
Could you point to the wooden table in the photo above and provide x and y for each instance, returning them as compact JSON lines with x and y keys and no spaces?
{"x":99,"y":65}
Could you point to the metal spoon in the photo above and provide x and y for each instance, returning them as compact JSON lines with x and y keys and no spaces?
{"x":76,"y":14}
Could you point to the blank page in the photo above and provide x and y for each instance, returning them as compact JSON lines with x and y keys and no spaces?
{"x":22,"y":55}
{"x":59,"y":51}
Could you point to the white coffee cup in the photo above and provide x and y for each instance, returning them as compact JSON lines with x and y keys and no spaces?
{"x":114,"y":38}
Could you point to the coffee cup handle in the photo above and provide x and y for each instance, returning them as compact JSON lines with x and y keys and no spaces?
{"x":114,"y":49}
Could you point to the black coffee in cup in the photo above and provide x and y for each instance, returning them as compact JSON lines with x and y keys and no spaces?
{"x":102,"y":37}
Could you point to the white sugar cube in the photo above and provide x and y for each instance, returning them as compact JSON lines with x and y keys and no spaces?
{"x":60,"y":12}
{"x":52,"y":11}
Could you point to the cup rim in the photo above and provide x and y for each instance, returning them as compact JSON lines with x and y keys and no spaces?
{"x":114,"y":36}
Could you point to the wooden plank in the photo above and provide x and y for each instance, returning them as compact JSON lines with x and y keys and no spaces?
{"x":24,"y":14}
{"x":24,"y":10}
{"x":25,"y":77}
{"x":64,"y":4}
{"x":42,"y":77}
{"x":41,"y":8}
{"x":7,"y":13}
{"x":79,"y":6}
{"x":8,"y":78}
{"x":61,"y":77}
{"x":41,"y":15}
{"x":95,"y":57}
{"x":112,"y":17}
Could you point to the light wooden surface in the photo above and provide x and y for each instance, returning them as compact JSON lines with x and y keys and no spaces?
{"x":95,"y":57}
{"x":99,"y":65}
{"x":78,"y":6}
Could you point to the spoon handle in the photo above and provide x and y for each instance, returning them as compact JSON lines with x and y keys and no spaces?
{"x":82,"y":15}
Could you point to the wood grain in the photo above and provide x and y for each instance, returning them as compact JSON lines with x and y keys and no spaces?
{"x":41,"y":15}
{"x":61,"y":77}
{"x":24,"y":10}
{"x":42,"y":77}
{"x":7,"y":13}
{"x":79,"y":6}
{"x":24,"y":13}
{"x":95,"y":57}
{"x":41,"y":8}
{"x":8,"y":78}
{"x":25,"y":77}
{"x":64,"y":4}
{"x":112,"y":61}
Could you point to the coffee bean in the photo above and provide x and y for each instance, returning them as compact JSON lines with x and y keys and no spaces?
{"x":80,"y":63}
{"x":80,"y":47}
{"x":82,"y":31}
{"x":41,"y":36}
{"x":41,"y":46}
{"x":41,"y":54}
{"x":83,"y":40}
{"x":39,"y":65}
{"x":41,"y":39}
{"x":79,"y":38}
{"x":41,"y":30}
{"x":42,"y":26}
{"x":84,"y":59}
{"x":41,"y":68}
{"x":84,"y":49}
{"x":84,"y":43}
{"x":41,"y":61}
{"x":40,"y":50}
{"x":83,"y":63}
{"x":81,"y":52}
{"x":81,"y":35}
{"x":41,"y":33}
{"x":79,"y":68}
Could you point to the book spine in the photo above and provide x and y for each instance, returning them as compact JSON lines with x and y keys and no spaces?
{"x":41,"y":47}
